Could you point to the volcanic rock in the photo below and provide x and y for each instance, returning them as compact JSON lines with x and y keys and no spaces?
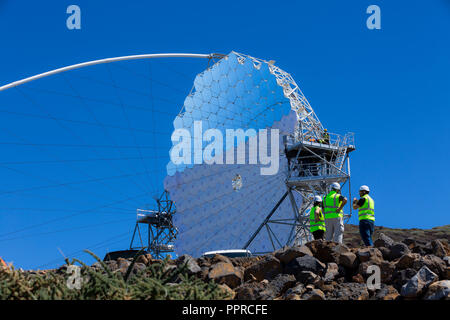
{"x":295,"y":293}
{"x":277,"y":286}
{"x":434,"y":263}
{"x":225,"y":273}
{"x":386,"y":292}
{"x":348,"y":260}
{"x":372,"y":255}
{"x":419,"y":283}
{"x":349,"y":291}
{"x":438,"y":290}
{"x":327,"y":251}
{"x":267,"y":268}
{"x":314,"y":294}
{"x":249,"y":290}
{"x":407,"y":260}
{"x":332,"y":271}
{"x":305,"y":263}
{"x":383,"y":241}
{"x":398,"y":249}
{"x":191,"y":264}
{"x":287,"y":254}
{"x":438,"y":248}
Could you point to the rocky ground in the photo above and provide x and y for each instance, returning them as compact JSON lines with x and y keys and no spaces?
{"x":322,"y":270}
{"x":411,"y":267}
{"x":353,"y":239}
{"x":412,"y":264}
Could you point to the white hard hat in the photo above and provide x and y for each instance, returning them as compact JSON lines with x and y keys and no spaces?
{"x":317,"y":199}
{"x":364,"y":188}
{"x":336,"y":186}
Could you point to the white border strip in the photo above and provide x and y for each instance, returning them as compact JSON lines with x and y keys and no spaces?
{"x":108,"y":60}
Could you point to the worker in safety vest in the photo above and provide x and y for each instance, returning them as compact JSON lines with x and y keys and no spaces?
{"x":333,"y":203}
{"x":366,"y":215}
{"x":317,"y":220}
{"x":326,"y":137}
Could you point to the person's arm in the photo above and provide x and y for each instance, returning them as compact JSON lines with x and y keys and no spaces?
{"x":317,"y":215}
{"x":344,"y":202}
{"x":358,"y":203}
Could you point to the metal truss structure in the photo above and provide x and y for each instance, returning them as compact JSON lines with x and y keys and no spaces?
{"x":309,"y":124}
{"x":161,"y":231}
{"x":313,"y":167}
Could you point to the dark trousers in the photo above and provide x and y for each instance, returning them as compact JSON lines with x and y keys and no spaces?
{"x":318,"y":234}
{"x":366,"y":228}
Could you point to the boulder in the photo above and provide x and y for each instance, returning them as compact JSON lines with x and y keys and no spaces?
{"x":305,"y":263}
{"x":297,"y":290}
{"x":349,"y":291}
{"x":277,"y":286}
{"x":348,"y":260}
{"x":306,"y":277}
{"x":220,"y":258}
{"x":372,"y":255}
{"x":438,"y":291}
{"x":122,"y":265}
{"x":400,"y":277}
{"x":419,"y":250}
{"x":169,"y":267}
{"x":358,"y":278}
{"x":249,"y":290}
{"x":191,"y":264}
{"x":282,"y":282}
{"x":138,"y":267}
{"x":386,"y":292}
{"x":332,"y":272}
{"x":112,"y":265}
{"x":438,"y":248}
{"x":287,"y":254}
{"x":387,"y":270}
{"x":407,"y":260}
{"x":398,"y":249}
{"x":327,"y":251}
{"x":314,"y":294}
{"x":228,"y":291}
{"x":447,"y":260}
{"x":383,"y":241}
{"x":225,"y":273}
{"x":144,"y":258}
{"x":434,"y":263}
{"x":419,"y":283}
{"x":204,"y":262}
{"x":204,"y":273}
{"x":325,"y":287}
{"x":447,"y":273}
{"x":266,"y":268}
{"x":411,"y":243}
{"x":363,"y":267}
{"x":386,"y":253}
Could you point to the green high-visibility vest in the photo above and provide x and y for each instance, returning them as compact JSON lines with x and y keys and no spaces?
{"x":330,"y":205}
{"x":367,"y":210}
{"x":314,"y":226}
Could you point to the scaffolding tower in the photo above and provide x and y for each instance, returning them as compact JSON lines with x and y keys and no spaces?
{"x":316,"y":159}
{"x":161,"y":231}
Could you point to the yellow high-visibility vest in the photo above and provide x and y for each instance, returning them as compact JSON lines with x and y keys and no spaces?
{"x":314,"y":226}
{"x":330,"y":205}
{"x":367,"y":210}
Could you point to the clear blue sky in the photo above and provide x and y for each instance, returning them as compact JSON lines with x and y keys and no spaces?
{"x":390,"y":86}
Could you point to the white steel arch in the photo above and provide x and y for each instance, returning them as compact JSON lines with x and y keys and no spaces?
{"x":108,"y":60}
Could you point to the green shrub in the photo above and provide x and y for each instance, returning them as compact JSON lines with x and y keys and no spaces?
{"x":157,"y":281}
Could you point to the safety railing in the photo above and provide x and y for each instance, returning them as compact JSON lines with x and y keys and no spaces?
{"x":324,"y":138}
